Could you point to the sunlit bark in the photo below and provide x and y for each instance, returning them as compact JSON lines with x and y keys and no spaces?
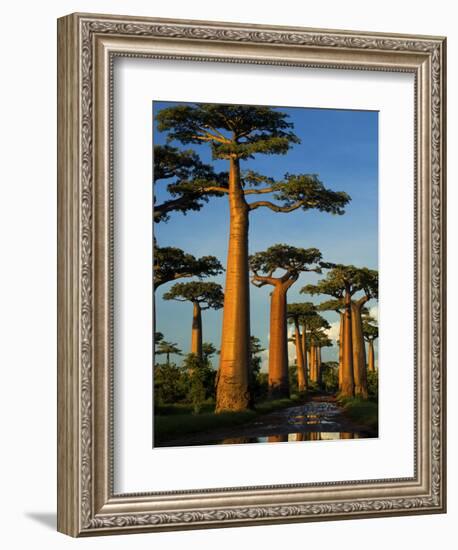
{"x":232,"y":390}
{"x":371,"y":356}
{"x":278,"y":344}
{"x":341,"y":339}
{"x":301,"y":373}
{"x":196,"y":338}
{"x":359,"y":349}
{"x":348,"y":387}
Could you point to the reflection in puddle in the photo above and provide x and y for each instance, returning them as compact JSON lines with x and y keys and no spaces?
{"x":283,"y":438}
{"x":312,"y":421}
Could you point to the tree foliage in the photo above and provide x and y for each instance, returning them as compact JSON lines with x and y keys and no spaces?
{"x":290,"y":259}
{"x":346,"y":278}
{"x":370,"y":328}
{"x":171,"y":263}
{"x":240,"y":131}
{"x":206,"y":294}
{"x":188,"y":175}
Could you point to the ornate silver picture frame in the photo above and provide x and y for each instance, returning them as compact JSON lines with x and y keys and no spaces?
{"x":87,"y":47}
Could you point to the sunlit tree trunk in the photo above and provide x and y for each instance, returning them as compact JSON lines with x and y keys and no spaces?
{"x":371,"y":358}
{"x":359,"y":349}
{"x":312,"y":361}
{"x":305,"y":353}
{"x":301,"y":375}
{"x":277,"y":438}
{"x":232,"y":390}
{"x":348,"y":387}
{"x":278,"y":344}
{"x":341,"y":338}
{"x":196,"y":339}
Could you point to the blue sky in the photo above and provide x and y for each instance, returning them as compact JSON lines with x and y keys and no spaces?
{"x":341,"y":147}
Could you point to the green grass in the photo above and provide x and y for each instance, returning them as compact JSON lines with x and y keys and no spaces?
{"x":171,"y":421}
{"x":361,"y":411}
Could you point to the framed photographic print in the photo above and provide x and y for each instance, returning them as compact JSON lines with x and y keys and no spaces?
{"x":251,"y":274}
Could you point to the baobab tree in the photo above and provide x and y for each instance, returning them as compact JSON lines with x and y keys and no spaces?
{"x":292,"y":262}
{"x":370,"y":331}
{"x":298,"y":314}
{"x":338,"y":307}
{"x":168,"y":349}
{"x":236,"y":133}
{"x":315,"y":335}
{"x":321,"y":341}
{"x":343,"y":282}
{"x":202,"y":295}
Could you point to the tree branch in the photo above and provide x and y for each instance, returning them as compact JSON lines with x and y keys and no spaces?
{"x":259,"y":281}
{"x":258,"y":191}
{"x":275,"y":207}
{"x":216,"y":188}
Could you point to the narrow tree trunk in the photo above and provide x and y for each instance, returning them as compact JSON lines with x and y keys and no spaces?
{"x":232,"y":391}
{"x":318,"y":365}
{"x":348,"y":387}
{"x":371,"y":363}
{"x":359,"y":349}
{"x":301,"y":376}
{"x":278,"y":344}
{"x":312,"y":361}
{"x":196,"y":339}
{"x":168,"y":359}
{"x":305,"y":353}
{"x":341,"y":339}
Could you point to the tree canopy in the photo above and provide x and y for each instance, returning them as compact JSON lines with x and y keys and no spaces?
{"x":301,"y":312}
{"x":346,"y":278}
{"x":290,"y":259}
{"x":189,"y":177}
{"x":238,"y":131}
{"x":171,"y":263}
{"x":206,"y":294}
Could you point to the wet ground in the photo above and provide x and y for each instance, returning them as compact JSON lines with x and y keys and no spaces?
{"x":319,"y":419}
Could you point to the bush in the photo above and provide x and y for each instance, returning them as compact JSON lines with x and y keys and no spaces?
{"x":201,"y":381}
{"x":372,"y":385}
{"x":329,"y":378}
{"x":169,"y":384}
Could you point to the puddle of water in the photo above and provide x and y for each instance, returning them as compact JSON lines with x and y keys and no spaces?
{"x":283,"y":438}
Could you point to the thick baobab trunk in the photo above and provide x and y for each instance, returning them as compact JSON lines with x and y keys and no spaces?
{"x":232,"y":391}
{"x":341,"y":338}
{"x":371,"y":358}
{"x":359,"y":349}
{"x":348,"y":387}
{"x":301,"y":373}
{"x":196,"y":339}
{"x":278,"y":344}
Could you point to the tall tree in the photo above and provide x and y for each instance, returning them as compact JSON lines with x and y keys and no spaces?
{"x":343,"y":282}
{"x":370,"y":331}
{"x":317,"y":327}
{"x":202,"y":295}
{"x":299,"y":314}
{"x":291,"y":261}
{"x":168,"y":349}
{"x":338,"y":307}
{"x":236,"y":133}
